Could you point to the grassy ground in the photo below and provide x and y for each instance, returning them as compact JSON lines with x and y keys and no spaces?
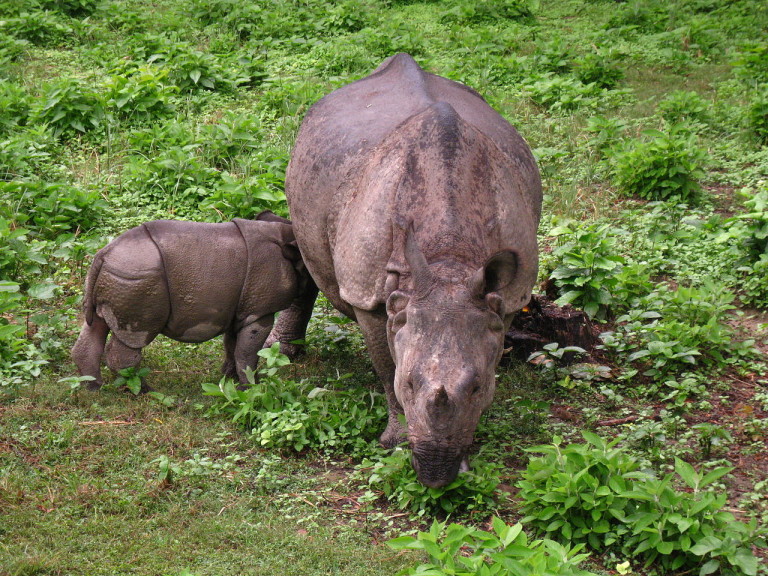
{"x":110,"y":483}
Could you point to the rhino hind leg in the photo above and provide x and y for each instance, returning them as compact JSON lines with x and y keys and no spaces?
{"x":88,"y":349}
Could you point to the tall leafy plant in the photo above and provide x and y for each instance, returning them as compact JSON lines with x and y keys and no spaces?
{"x":659,"y":166}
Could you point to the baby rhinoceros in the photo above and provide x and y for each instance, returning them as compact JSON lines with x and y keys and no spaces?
{"x":190,"y":281}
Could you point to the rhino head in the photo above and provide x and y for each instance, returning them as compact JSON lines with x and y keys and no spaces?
{"x":446,"y":336}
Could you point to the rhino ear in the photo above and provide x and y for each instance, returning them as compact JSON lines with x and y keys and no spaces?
{"x":396,"y":305}
{"x":497,"y":274}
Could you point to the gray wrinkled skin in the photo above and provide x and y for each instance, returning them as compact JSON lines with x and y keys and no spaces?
{"x":191,"y":282}
{"x":415,"y":206}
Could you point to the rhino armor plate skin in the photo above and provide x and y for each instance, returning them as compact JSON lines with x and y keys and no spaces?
{"x":192,"y":281}
{"x":415,"y":206}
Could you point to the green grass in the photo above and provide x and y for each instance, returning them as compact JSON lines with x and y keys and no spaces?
{"x":82,"y":484}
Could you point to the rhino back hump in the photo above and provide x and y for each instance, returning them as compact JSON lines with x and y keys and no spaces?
{"x":344,"y":183}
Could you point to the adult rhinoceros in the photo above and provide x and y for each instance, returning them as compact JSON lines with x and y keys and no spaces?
{"x":415,"y":206}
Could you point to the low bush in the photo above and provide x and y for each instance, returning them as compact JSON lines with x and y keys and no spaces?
{"x":659,"y":166}
{"x":69,"y":107}
{"x":393,"y":476}
{"x":458,"y":550}
{"x":750,"y":231}
{"x":669,"y":330}
{"x":50,"y":208}
{"x":585,"y":265}
{"x":39,"y":27}
{"x":757,"y":114}
{"x":296,"y":416}
{"x":595,"y":493}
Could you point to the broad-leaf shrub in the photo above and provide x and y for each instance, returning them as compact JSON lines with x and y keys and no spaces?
{"x":20,"y":360}
{"x":478,"y":12}
{"x":683,"y":106}
{"x":141,"y":94}
{"x":669,"y":330}
{"x":50,"y":208}
{"x":39,"y":27}
{"x":597,"y":494}
{"x":393,"y":475}
{"x":598,"y":69}
{"x":69,"y":107}
{"x":750,"y":230}
{"x":757,"y":114}
{"x":458,"y":550}
{"x":659,"y":166}
{"x":585,"y":264}
{"x":15,"y":103}
{"x":289,"y":415}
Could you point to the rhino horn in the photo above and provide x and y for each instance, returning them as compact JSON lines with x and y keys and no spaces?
{"x":441,"y":398}
{"x":422,"y":277}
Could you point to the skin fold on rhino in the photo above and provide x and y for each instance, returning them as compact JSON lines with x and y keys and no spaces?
{"x":193,"y":281}
{"x":415,"y":206}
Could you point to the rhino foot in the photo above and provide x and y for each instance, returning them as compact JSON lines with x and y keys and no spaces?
{"x":393,"y":435}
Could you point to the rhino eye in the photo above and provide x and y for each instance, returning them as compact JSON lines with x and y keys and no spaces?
{"x":475,"y":389}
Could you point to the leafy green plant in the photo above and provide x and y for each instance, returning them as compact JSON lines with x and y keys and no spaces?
{"x":50,"y":208}
{"x":584,"y":267}
{"x":140,"y":94}
{"x":15,"y":103}
{"x":393,"y":476}
{"x":562,"y":93}
{"x":757,"y":114}
{"x":465,"y":12}
{"x":458,"y":550}
{"x":69,"y":107}
{"x":236,"y":134}
{"x":607,"y":132}
{"x":751,"y":62}
{"x":131,"y":378}
{"x":40,"y":27}
{"x":660,"y":166}
{"x":76,"y":8}
{"x":598,"y":69}
{"x":176,"y":180}
{"x":597,"y":494}
{"x":684,"y":106}
{"x":710,"y":436}
{"x":670,"y":330}
{"x":290,"y":415}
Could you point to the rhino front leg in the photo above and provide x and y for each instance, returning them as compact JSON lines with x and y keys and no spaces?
{"x":229,"y":368}
{"x":87,"y":351}
{"x":120,"y":356}
{"x":374,"y":328}
{"x":250,"y":340}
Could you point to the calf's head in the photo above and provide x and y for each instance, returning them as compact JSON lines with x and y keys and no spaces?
{"x":446,"y":337}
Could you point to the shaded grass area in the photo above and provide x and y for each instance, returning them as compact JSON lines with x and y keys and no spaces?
{"x":81,"y":493}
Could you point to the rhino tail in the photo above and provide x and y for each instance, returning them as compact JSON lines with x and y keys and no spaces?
{"x":89,"y":297}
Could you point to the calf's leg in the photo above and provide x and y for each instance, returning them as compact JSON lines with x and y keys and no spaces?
{"x":292,"y":323}
{"x":250,"y":339}
{"x":120,"y":355}
{"x":87,"y":351}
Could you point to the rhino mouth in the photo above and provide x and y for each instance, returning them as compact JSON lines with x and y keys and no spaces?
{"x":437,"y":466}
